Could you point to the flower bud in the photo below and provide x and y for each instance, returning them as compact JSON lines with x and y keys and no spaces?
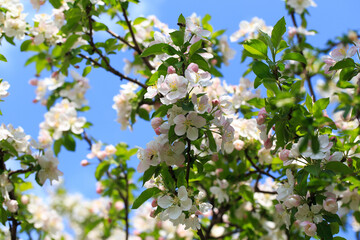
{"x":292,"y":201}
{"x":152,"y":214}
{"x":171,"y":70}
{"x":333,"y":139}
{"x":12,"y":205}
{"x":101,"y":155}
{"x":34,"y":82}
{"x":119,"y":205}
{"x":154,"y":203}
{"x":215,"y":102}
{"x":156,"y":122}
{"x":214,"y":157}
{"x":239,"y":144}
{"x":84,"y":162}
{"x":330,"y":205}
{"x":25,"y":199}
{"x":268,"y":143}
{"x":213,"y":62}
{"x":194,"y":67}
{"x":350,"y":162}
{"x":158,"y":131}
{"x":284,"y":154}
{"x":99,"y":188}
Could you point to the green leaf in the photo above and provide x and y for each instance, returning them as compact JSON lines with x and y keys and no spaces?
{"x":338,"y":167}
{"x":357,"y":216}
{"x":177,"y":37}
{"x":98,"y":26}
{"x":200,"y":61}
{"x":181,"y":180}
{"x":69,"y":142}
{"x":280,"y":134}
{"x":295,"y":56}
{"x":324,"y":231}
{"x":6,"y":146}
{"x":256,"y":48}
{"x":70,"y":41}
{"x":172,"y":135}
{"x":283,"y":45}
{"x":101,"y":169}
{"x":57,"y":146}
{"x":212,"y":143}
{"x":261,"y":70}
{"x":167,"y":178}
{"x":144,"y":196}
{"x":153,"y":79}
{"x":144,"y":114}
{"x":196,"y":46}
{"x":277,"y":32}
{"x":86,"y":71}
{"x":161,"y":111}
{"x":149,"y":173}
{"x":153,"y":50}
{"x":309,"y":103}
{"x":313,"y":169}
{"x":3,"y":58}
{"x":182,"y":19}
{"x":55,"y":3}
{"x":169,"y":50}
{"x":345,"y":63}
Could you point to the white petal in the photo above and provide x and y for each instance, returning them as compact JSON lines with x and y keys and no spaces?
{"x":192,"y":133}
{"x":186,"y":205}
{"x":182,"y":193}
{"x":174,"y":212}
{"x":165,"y":201}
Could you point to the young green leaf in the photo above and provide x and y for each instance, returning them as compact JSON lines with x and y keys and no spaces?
{"x":144,"y":196}
{"x":277,"y":32}
{"x":295,"y":56}
{"x":256,"y":49}
{"x":177,"y":37}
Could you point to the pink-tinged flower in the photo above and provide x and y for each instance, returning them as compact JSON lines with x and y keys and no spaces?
{"x":330,"y":205}
{"x":84,"y":162}
{"x":268,"y":143}
{"x":201,"y":105}
{"x":175,"y":206}
{"x":284,"y":154}
{"x":292,"y":201}
{"x":99,"y":188}
{"x":261,"y":116}
{"x":342,"y":52}
{"x":173,"y":87}
{"x":309,"y":228}
{"x":12,"y":205}
{"x":193,"y":26}
{"x":197,"y":76}
{"x":189,"y":125}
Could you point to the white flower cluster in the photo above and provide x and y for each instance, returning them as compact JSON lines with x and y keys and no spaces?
{"x":122,"y":104}
{"x":43,"y":217}
{"x":249,"y":30}
{"x":61,"y":118}
{"x":12,"y":23}
{"x":46,"y":28}
{"x":74,"y":92}
{"x":176,"y":207}
{"x":306,"y":215}
{"x":300,"y":5}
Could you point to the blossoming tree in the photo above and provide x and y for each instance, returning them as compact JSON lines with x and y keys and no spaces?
{"x":264,"y":159}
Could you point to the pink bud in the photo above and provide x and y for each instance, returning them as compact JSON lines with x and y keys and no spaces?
{"x":171,"y":70}
{"x":99,"y":188}
{"x":152,"y":214}
{"x":279,"y":208}
{"x":147,"y":107}
{"x":268,"y":143}
{"x":333,"y":139}
{"x":194,"y":67}
{"x":154,"y":203}
{"x":12,"y":205}
{"x":218,"y":171}
{"x":261,"y":119}
{"x":84,"y":162}
{"x":350,"y":162}
{"x":35,"y":100}
{"x":156,"y":122}
{"x":119,"y":205}
{"x":284,"y":154}
{"x":198,"y":213}
{"x":213,"y":62}
{"x":215,"y":102}
{"x":33,"y":82}
{"x":158,"y":131}
{"x":101,"y":155}
{"x":214,"y":157}
{"x":55,"y":74}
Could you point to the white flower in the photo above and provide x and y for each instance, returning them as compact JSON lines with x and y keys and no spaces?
{"x":192,"y":222}
{"x":48,"y":164}
{"x":202,"y":104}
{"x":219,"y":194}
{"x":5,"y":185}
{"x":12,"y":205}
{"x":286,"y":189}
{"x":173,"y":87}
{"x":300,"y":5}
{"x":330,"y":204}
{"x":173,"y":209}
{"x":4,"y":86}
{"x":189,"y":125}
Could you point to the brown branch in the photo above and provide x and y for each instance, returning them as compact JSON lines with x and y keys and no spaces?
{"x":21,"y":171}
{"x":305,"y":72}
{"x":188,"y":168}
{"x":136,"y":45}
{"x":259,"y":170}
{"x":200,"y":234}
{"x":104,"y":58}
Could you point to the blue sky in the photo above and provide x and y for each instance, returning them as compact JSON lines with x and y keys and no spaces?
{"x":331,"y":18}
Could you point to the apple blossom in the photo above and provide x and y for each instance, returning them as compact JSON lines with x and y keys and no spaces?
{"x":189,"y":124}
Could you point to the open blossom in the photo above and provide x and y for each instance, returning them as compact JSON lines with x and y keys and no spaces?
{"x":193,"y":26}
{"x":5,"y":185}
{"x":300,"y":5}
{"x":250,"y":29}
{"x":330,"y":204}
{"x":172,"y":87}
{"x":309,"y":228}
{"x":173,"y":154}
{"x":325,"y":146}
{"x":4,"y":86}
{"x":202,"y":104}
{"x":292,"y":201}
{"x":306,"y":213}
{"x":189,"y":125}
{"x":12,"y":205}
{"x":197,"y":76}
{"x":122,"y":104}
{"x":227,"y":52}
{"x":150,"y":155}
{"x":285,"y":190}
{"x":175,"y":205}
{"x":49,"y":170}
